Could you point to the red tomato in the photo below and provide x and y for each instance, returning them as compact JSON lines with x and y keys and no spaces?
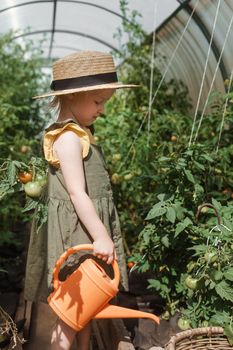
{"x":24,"y":177}
{"x":130,"y":264}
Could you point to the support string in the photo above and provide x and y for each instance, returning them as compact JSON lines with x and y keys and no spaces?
{"x":152,"y":72}
{"x":214,"y":76}
{"x":204,"y":74}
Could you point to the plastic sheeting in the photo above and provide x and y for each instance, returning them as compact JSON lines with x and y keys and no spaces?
{"x":71,"y":25}
{"x":197,"y":47}
{"x":77,"y":25}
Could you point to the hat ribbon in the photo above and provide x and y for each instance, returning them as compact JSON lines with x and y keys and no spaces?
{"x":79,"y":82}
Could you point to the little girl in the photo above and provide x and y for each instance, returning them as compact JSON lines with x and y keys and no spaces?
{"x":80,"y":202}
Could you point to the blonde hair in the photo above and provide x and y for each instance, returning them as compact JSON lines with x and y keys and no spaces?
{"x":55,"y":104}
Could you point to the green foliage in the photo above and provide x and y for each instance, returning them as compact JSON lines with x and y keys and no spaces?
{"x":131,"y":163}
{"x":21,"y":124}
{"x":159,"y":182}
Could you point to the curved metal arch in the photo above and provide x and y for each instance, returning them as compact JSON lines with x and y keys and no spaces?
{"x":71,"y":1}
{"x":53,"y":30}
{"x":67,"y":32}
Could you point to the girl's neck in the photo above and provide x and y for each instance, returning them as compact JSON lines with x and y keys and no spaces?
{"x":67,"y":117}
{"x":65,"y":113}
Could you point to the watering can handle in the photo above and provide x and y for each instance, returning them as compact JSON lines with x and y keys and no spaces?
{"x":73,"y":250}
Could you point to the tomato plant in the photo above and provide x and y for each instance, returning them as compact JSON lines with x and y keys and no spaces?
{"x":171,"y":178}
{"x":20,"y":134}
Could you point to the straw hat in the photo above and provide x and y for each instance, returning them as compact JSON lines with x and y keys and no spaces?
{"x":84,"y":71}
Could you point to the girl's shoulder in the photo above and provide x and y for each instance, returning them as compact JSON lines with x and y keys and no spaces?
{"x":53,"y":131}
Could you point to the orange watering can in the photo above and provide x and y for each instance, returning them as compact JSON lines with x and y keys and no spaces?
{"x":85,"y":294}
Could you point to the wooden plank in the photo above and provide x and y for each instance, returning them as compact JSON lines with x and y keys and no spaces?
{"x":27,"y":316}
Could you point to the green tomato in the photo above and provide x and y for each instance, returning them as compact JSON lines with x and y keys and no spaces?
{"x":191,"y":283}
{"x":183,"y":324}
{"x":128,"y":176}
{"x":191,"y":266}
{"x":116,"y":179}
{"x":166,"y":315}
{"x":33,"y":189}
{"x":42,"y":179}
{"x":210,"y":257}
{"x":205,"y":323}
{"x":116,"y":157}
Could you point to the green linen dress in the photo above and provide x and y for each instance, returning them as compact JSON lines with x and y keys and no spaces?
{"x":64,"y":229}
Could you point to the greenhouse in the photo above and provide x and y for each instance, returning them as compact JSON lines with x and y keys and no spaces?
{"x":116,"y":190}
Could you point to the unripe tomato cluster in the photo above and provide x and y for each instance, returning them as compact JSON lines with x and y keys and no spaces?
{"x":210,"y":257}
{"x":32,"y":187}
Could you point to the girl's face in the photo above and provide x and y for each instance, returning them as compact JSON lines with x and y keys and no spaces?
{"x":87,"y":106}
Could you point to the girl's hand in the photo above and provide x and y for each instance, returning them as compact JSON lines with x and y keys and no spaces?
{"x":104,"y":249}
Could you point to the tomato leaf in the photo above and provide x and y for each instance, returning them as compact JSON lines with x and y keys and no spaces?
{"x":11,"y":173}
{"x":228,"y":331}
{"x":30,"y":205}
{"x":198,"y":189}
{"x":161,"y":197}
{"x":229,"y":274}
{"x":154,"y":284}
{"x":207,"y":157}
{"x":199,"y":165}
{"x":171,"y":215}
{"x":181,"y":226}
{"x":165,"y":241}
{"x":224,"y":290}
{"x":189,"y":176}
{"x":157,"y":210}
{"x":216,"y":204}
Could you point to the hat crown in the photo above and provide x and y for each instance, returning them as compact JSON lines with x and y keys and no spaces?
{"x":84,"y":63}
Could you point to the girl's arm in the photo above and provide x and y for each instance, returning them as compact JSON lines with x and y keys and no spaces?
{"x":68,"y":150}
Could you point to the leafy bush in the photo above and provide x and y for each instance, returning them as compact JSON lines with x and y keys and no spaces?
{"x":160,"y":182}
{"x":21,"y":124}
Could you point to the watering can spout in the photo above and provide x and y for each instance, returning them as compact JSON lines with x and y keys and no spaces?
{"x":112,"y":311}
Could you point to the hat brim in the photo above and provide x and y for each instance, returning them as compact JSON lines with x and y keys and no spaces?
{"x":117,"y":85}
